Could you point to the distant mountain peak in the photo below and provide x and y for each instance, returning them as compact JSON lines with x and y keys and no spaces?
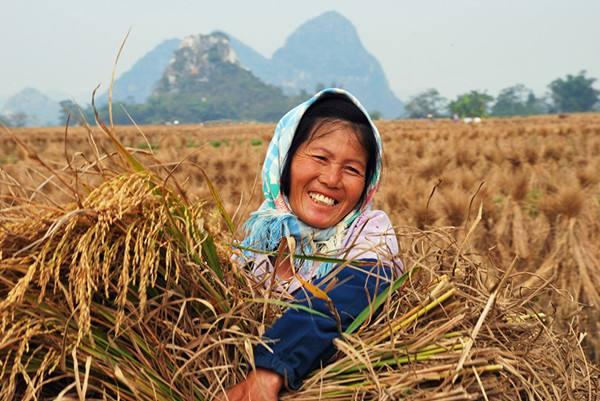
{"x":326,"y":50}
{"x":28,"y":91}
{"x":337,"y":23}
{"x":214,"y":46}
{"x":329,"y":37}
{"x":330,"y":18}
{"x":332,"y":14}
{"x":136,"y":84}
{"x":39,"y":108}
{"x":197,"y":60}
{"x":205,"y":81}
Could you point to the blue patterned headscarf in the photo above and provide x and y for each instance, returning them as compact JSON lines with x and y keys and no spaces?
{"x":275,"y":219}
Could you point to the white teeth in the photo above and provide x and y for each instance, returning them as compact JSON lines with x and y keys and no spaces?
{"x":321,"y":198}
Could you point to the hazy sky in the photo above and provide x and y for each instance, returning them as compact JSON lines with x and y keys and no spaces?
{"x":67,"y":47}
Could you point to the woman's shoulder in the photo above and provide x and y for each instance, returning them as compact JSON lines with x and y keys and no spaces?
{"x":372,"y":222}
{"x":372,"y":236}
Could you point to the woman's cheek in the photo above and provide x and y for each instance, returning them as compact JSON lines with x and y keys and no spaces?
{"x":355,"y":185}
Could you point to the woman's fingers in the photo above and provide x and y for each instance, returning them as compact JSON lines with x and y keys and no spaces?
{"x":260,"y":385}
{"x":239,"y":392}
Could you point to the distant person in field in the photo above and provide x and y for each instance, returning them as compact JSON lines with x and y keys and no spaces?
{"x":320,"y":173}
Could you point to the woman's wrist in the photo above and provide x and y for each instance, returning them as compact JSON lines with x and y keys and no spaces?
{"x":268,"y":378}
{"x":259,"y":385}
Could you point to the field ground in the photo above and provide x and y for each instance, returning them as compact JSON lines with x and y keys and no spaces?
{"x":537,"y":179}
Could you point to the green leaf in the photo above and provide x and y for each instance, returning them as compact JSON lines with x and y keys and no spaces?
{"x":316,"y":258}
{"x":380,"y":299}
{"x":218,"y":201}
{"x":209,"y":253}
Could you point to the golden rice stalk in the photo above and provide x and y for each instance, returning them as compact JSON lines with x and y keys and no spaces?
{"x":510,"y":231}
{"x":571,"y":264}
{"x":413,"y":349}
{"x":117,"y":278}
{"x":131,"y":281}
{"x":123,"y":223}
{"x":182,"y":346}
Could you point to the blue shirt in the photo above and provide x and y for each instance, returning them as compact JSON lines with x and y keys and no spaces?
{"x":302,"y":341}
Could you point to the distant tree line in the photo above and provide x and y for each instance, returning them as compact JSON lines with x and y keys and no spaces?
{"x":235,"y":97}
{"x":572,"y":94}
{"x":17,"y":120}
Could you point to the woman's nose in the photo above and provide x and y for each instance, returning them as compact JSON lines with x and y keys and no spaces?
{"x":330,"y":175}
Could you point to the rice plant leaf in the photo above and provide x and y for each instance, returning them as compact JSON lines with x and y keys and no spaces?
{"x":316,"y":258}
{"x":209,"y":250}
{"x":218,"y":201}
{"x":113,"y":76}
{"x":121,"y":377}
{"x":209,"y":253}
{"x":125,"y":154}
{"x":313,"y":289}
{"x":380,"y":299}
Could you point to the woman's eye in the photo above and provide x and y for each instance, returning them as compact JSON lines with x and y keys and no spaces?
{"x":353,"y":170}
{"x":320,"y":158}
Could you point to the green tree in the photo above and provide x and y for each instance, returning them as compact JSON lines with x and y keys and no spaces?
{"x":517,"y":100}
{"x":375,"y":115}
{"x":19,"y":119}
{"x":472,"y":104}
{"x":427,"y":103}
{"x":4,"y":120}
{"x":68,"y":107}
{"x":575,"y":93}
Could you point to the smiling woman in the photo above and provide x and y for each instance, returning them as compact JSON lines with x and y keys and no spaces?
{"x":320,"y":174}
{"x":328,"y":175}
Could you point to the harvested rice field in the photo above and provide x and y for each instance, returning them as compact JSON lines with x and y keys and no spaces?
{"x":115,"y":280}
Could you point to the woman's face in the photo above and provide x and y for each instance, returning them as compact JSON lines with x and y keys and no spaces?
{"x":327,"y":175}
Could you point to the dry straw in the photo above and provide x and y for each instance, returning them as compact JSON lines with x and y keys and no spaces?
{"x":128,"y":294}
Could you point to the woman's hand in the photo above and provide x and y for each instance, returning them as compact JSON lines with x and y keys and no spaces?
{"x":260,"y":385}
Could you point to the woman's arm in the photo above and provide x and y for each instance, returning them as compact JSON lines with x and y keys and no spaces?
{"x":302,"y":341}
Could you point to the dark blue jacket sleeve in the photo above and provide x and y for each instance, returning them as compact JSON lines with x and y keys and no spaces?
{"x":302,"y":341}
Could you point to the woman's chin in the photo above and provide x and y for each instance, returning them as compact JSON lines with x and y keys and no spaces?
{"x":320,"y":219}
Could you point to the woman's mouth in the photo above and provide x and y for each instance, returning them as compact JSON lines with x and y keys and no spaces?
{"x":322,"y":199}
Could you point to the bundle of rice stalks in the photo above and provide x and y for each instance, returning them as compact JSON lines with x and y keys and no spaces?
{"x":510,"y":231}
{"x":121,"y":280}
{"x":126,"y":279}
{"x":452,"y":332}
{"x":129,"y":294}
{"x":572,"y":260}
